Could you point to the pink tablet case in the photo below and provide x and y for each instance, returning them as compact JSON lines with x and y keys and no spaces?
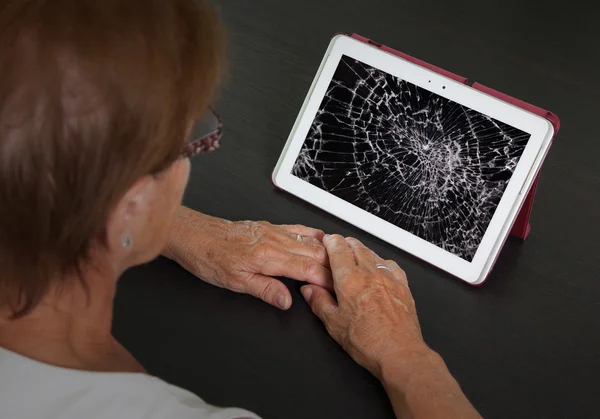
{"x":521,"y":227}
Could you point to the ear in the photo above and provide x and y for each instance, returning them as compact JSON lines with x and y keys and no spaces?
{"x":130,"y":211}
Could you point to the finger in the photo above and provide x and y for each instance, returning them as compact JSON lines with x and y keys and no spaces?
{"x":309,"y":246}
{"x":398,"y":272}
{"x":322,"y":304}
{"x":304,"y":231}
{"x":363,"y":255}
{"x":402,"y":278}
{"x":269,"y":290}
{"x":393,"y":271}
{"x":341,"y":256}
{"x":298,"y":267}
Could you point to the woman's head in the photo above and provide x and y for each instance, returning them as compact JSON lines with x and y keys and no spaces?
{"x":97,"y":99}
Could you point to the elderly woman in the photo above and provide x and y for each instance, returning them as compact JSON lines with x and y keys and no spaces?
{"x":97,"y":99}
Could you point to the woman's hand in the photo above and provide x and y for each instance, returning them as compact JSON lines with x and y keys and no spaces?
{"x":244,"y":256}
{"x":374,"y":318}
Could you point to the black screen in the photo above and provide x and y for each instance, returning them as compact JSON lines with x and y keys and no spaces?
{"x":422,"y":162}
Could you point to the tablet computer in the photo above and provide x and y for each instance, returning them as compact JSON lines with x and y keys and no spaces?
{"x":419,"y":160}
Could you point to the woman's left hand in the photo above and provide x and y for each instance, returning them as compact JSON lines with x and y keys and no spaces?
{"x":244,"y":256}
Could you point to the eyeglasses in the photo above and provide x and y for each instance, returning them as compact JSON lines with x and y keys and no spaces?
{"x":206,"y":135}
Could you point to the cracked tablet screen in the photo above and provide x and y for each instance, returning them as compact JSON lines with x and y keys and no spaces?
{"x":417,"y":160}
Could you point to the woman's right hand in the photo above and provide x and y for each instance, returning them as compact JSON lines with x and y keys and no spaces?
{"x":374,"y":318}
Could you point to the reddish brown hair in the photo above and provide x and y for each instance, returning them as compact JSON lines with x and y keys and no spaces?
{"x":93,"y":95}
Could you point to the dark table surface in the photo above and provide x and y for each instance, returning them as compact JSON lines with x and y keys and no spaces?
{"x":526,"y":344}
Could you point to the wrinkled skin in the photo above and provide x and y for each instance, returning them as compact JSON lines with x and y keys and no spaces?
{"x":374,"y":318}
{"x":244,"y":256}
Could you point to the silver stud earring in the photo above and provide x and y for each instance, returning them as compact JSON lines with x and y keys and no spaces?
{"x":127,"y":242}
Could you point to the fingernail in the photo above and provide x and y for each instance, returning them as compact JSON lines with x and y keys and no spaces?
{"x":281,"y":301}
{"x":326,"y":237}
{"x":306,"y":293}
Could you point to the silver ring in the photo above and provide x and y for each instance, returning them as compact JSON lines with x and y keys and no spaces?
{"x":382,"y":266}
{"x":299,"y":238}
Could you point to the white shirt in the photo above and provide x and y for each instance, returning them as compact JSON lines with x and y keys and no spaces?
{"x":33,"y":390}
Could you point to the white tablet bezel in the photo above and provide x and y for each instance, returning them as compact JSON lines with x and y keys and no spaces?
{"x":541,"y":134}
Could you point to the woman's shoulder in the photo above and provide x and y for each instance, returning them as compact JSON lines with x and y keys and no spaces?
{"x":30,"y":389}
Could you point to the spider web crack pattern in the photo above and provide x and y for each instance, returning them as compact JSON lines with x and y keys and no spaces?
{"x":422,"y":162}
